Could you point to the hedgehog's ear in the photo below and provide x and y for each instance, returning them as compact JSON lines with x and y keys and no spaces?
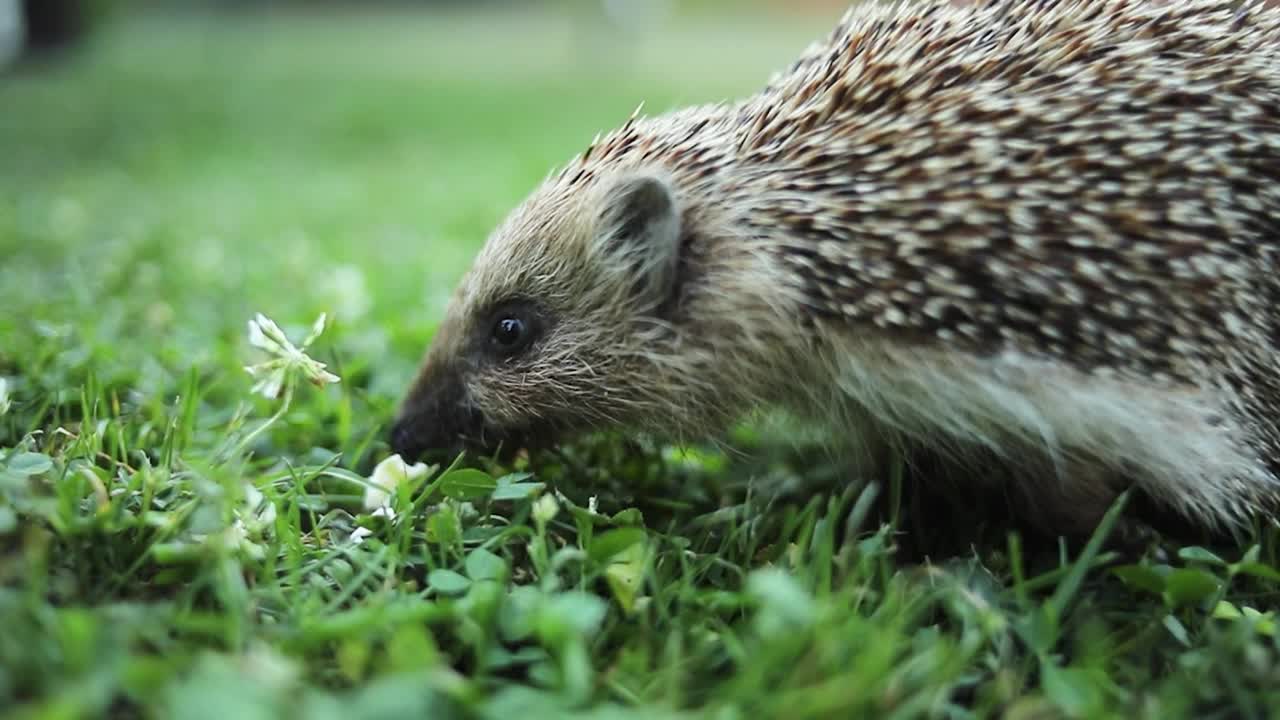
{"x":639,"y":232}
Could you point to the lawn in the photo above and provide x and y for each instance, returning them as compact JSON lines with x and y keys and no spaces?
{"x":176,"y":544}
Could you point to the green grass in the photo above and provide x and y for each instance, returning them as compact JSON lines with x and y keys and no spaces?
{"x":176,"y":546}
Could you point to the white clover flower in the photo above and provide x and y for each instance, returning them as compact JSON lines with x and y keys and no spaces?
{"x":287,"y":358}
{"x":5,"y":403}
{"x":390,"y":473}
{"x":269,"y":667}
{"x":259,"y":511}
{"x":545,"y":509}
{"x":359,"y":534}
{"x":254,"y":518}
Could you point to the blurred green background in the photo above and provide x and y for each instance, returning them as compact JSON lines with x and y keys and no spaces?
{"x":178,"y":166}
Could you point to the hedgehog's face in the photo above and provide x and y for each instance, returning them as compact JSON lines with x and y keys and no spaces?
{"x":548,"y":331}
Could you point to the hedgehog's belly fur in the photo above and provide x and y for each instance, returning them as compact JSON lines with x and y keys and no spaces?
{"x":1073,"y":439}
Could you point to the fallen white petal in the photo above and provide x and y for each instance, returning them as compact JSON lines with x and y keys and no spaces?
{"x":386,"y":477}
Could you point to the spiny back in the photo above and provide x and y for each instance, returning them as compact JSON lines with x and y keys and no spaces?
{"x":1097,"y":179}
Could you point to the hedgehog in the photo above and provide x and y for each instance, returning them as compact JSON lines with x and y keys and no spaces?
{"x":1034,"y":235}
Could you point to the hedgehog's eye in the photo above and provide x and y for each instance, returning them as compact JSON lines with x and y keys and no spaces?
{"x":512,"y":327}
{"x":511,"y":333}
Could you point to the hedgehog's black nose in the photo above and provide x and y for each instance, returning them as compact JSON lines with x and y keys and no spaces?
{"x":405,"y":440}
{"x":436,"y":422}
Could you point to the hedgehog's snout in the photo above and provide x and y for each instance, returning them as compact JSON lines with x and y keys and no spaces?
{"x":408,"y":438}
{"x":436,"y":417}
